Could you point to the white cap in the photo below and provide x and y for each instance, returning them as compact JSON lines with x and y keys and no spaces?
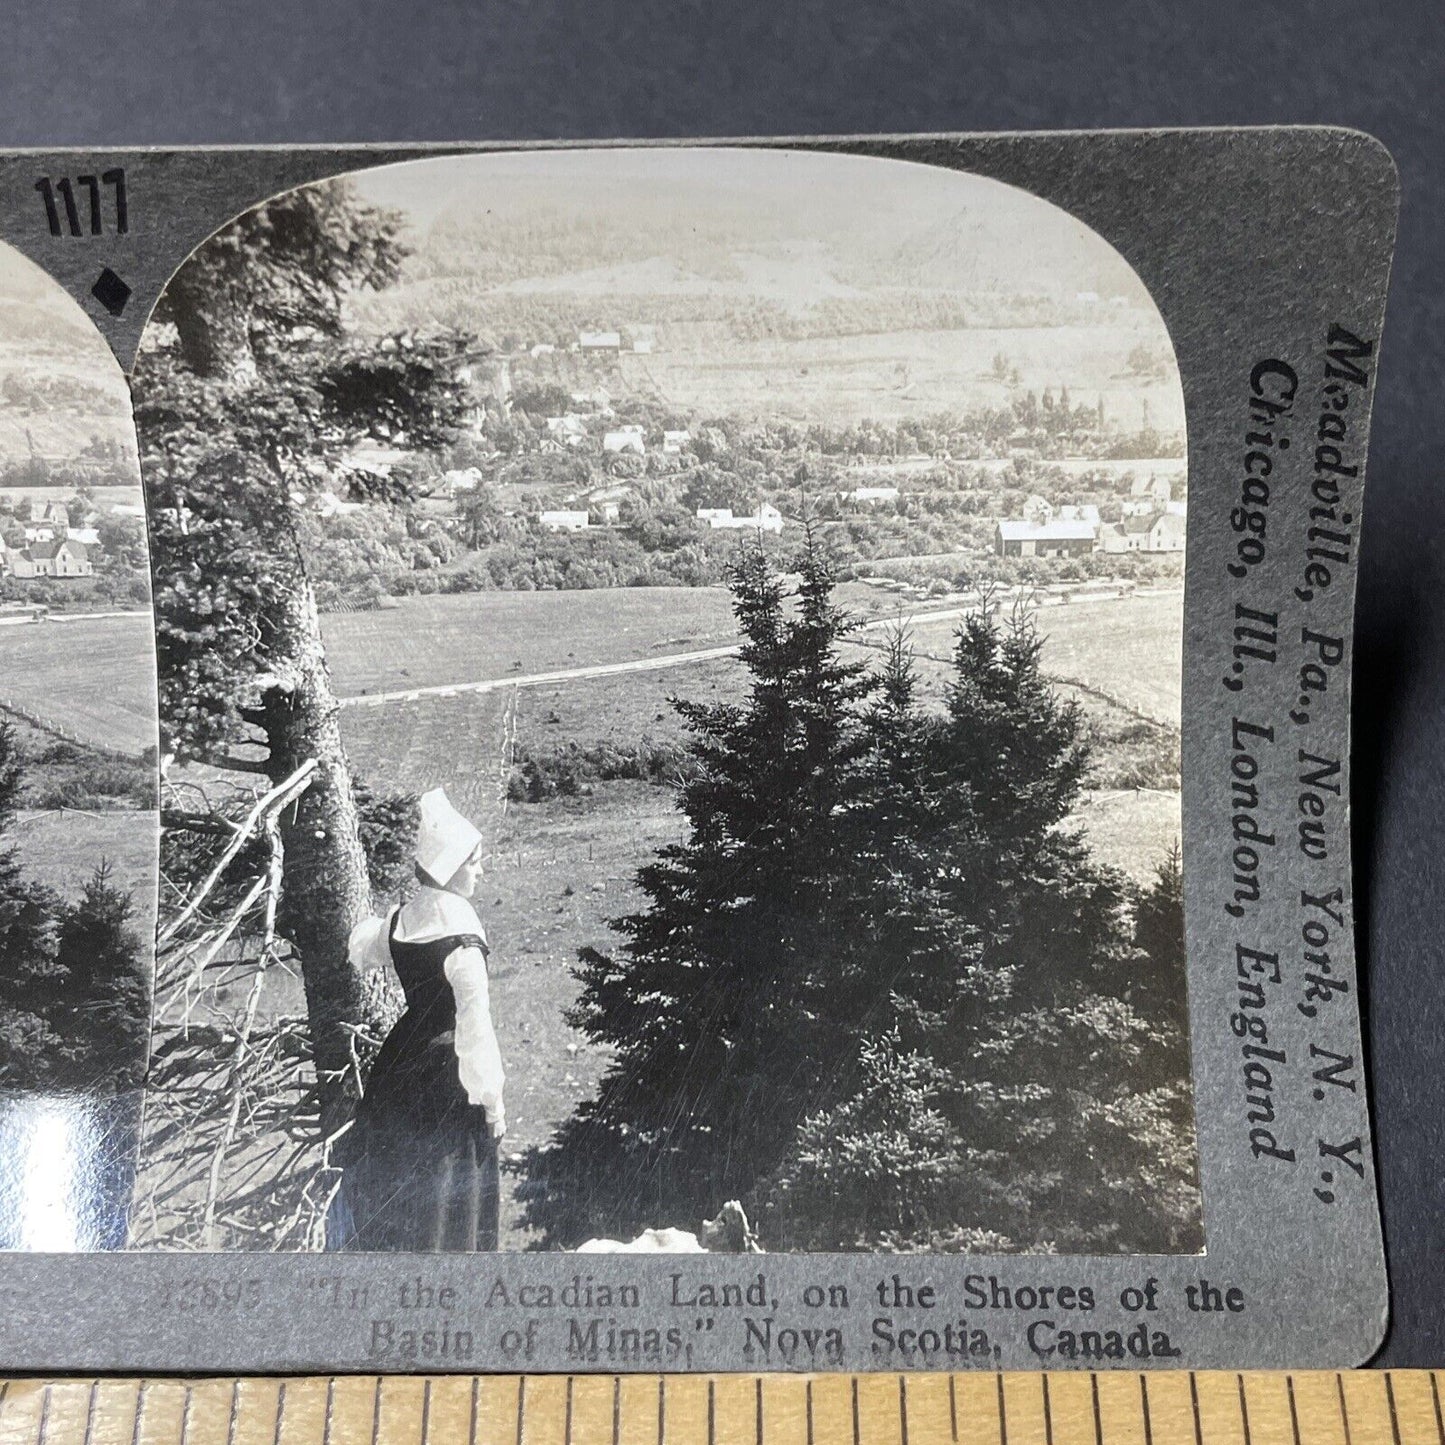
{"x":445,"y":840}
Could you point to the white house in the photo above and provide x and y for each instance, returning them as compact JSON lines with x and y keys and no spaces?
{"x":563,"y":521}
{"x":766,"y":519}
{"x":1151,"y":486}
{"x":674,"y":441}
{"x":41,"y":531}
{"x":870,"y":495}
{"x":570,"y":429}
{"x":86,"y":536}
{"x":1158,"y":532}
{"x":54,"y":559}
{"x":1079,"y":512}
{"x":543,"y":348}
{"x":624,"y":439}
{"x":328,"y":504}
{"x":599,"y":340}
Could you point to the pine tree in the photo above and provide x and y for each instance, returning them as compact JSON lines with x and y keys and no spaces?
{"x":1019,"y":1095}
{"x":247,"y":402}
{"x":29,"y":932}
{"x":717,"y":1005}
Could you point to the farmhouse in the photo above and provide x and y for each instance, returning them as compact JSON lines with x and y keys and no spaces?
{"x":563,"y":521}
{"x":41,"y":531}
{"x":674,"y":441}
{"x":624,"y":439}
{"x":1155,"y":488}
{"x":570,"y":430}
{"x":766,"y":519}
{"x":66,"y":558}
{"x":543,"y":348}
{"x":1044,"y":539}
{"x":86,"y":536}
{"x":1157,"y":532}
{"x":1081,"y":512}
{"x":869,"y":495}
{"x":599,"y":340}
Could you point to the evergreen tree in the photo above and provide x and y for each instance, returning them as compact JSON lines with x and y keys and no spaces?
{"x":1021,"y":1097}
{"x":718,"y":1005}
{"x":248,"y":401}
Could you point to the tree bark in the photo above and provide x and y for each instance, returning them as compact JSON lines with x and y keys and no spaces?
{"x":215,"y":339}
{"x":326,"y":891}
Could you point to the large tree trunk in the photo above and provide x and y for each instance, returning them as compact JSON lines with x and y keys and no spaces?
{"x":325,"y":891}
{"x":215,"y":338}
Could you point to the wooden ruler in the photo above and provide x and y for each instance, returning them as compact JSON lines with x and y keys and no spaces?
{"x":1166,"y":1408}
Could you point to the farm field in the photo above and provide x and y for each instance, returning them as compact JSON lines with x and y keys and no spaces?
{"x":469,"y":637}
{"x":456,"y":742}
{"x":901,"y":374}
{"x":105,"y":497}
{"x":62,"y":849}
{"x":1129,"y":649}
{"x":94,"y":677}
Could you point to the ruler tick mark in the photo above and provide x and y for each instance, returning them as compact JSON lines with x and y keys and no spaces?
{"x":476,"y":1405}
{"x":188,"y":1398}
{"x":1194,"y":1402}
{"x":425,"y":1411}
{"x":235,"y":1411}
{"x":902,"y":1410}
{"x":1144,"y":1408}
{"x":567,"y":1418}
{"x":44,"y":1415}
{"x":1048,"y":1412}
{"x":616,"y":1409}
{"x":1435,"y":1396}
{"x":661,"y":1408}
{"x":90,"y":1411}
{"x":953,"y":1407}
{"x":280,"y":1412}
{"x":857,"y":1433}
{"x":809,"y":1401}
{"x":330,"y":1411}
{"x":1344,"y":1412}
{"x":376,"y":1413}
{"x":140,"y":1409}
{"x":1244,"y":1411}
{"x":758,"y":1413}
{"x":1098,"y":1423}
{"x":1002,"y":1413}
{"x":1293,"y":1409}
{"x":1394,"y":1416}
{"x":711,"y":1413}
{"x":521,"y":1406}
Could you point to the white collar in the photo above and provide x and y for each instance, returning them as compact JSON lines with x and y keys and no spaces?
{"x":435,"y":913}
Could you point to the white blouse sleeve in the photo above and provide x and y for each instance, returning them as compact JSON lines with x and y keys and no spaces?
{"x":479,"y":1059}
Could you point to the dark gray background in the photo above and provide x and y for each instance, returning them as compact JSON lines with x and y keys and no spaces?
{"x":73,"y":72}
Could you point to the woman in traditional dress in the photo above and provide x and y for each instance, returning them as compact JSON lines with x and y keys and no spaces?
{"x":421,"y":1159}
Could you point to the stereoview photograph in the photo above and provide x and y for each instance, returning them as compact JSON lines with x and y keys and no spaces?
{"x":669,"y":719}
{"x":77,"y":777}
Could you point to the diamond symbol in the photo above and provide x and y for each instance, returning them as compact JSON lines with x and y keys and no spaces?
{"x":111,"y":291}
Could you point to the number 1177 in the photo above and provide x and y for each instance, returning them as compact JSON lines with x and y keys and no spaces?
{"x":60,"y":197}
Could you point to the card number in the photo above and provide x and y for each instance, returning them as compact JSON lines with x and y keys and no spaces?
{"x":63,"y":208}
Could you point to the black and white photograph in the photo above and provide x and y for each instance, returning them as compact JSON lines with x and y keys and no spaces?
{"x":78,"y":825}
{"x":669,"y":672}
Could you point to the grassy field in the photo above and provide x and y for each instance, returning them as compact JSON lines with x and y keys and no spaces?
{"x":469,"y":637}
{"x":105,"y":497}
{"x":63,"y":849}
{"x":453,"y":742}
{"x":1129,"y":650}
{"x":94,"y":677}
{"x":898,"y":374}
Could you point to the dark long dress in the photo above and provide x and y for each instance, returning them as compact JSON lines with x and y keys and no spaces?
{"x":420,"y":1169}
